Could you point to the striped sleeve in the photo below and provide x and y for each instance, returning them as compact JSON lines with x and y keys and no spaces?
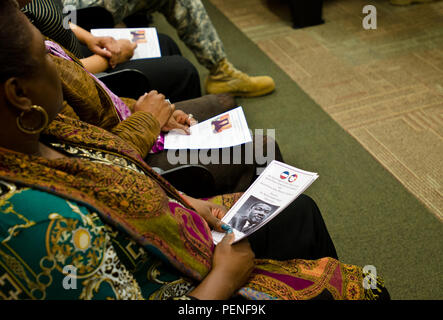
{"x":47,"y":16}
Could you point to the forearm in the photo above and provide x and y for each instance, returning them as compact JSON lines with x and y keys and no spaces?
{"x":191,"y":201}
{"x":95,"y":63}
{"x":214,"y":287}
{"x":81,"y":34}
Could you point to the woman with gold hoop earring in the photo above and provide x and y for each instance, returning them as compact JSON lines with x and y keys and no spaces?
{"x":44,"y":120}
{"x":76,"y":198}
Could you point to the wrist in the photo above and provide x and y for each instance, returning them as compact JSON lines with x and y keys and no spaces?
{"x":95,"y":63}
{"x":215,"y":286}
{"x":89,"y":39}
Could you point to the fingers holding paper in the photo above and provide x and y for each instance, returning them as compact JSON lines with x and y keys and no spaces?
{"x":179,"y":121}
{"x":211,"y":212}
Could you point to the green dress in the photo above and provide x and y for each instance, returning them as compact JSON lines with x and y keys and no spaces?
{"x":74,"y":255}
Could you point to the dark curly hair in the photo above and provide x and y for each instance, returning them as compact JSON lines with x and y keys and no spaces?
{"x":15,"y":43}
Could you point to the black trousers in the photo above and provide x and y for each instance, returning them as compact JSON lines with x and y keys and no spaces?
{"x":298,"y":232}
{"x":230,"y":177}
{"x":172,"y":75}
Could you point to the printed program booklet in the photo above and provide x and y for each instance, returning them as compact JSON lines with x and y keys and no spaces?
{"x":146,"y":39}
{"x":225,"y":130}
{"x":276,"y":187}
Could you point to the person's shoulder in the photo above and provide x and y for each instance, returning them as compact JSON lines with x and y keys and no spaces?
{"x":21,"y":205}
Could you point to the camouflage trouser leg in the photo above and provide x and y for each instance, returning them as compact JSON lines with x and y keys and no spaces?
{"x":188,"y":17}
{"x":195,"y":29}
{"x":119,"y":9}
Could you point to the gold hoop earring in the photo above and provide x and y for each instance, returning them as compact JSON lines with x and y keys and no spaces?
{"x":43,"y":123}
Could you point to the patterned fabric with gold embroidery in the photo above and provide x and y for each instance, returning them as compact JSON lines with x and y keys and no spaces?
{"x":59,"y":251}
{"x":158,"y":282}
{"x":88,"y":100}
{"x":74,"y":255}
{"x":56,"y":225}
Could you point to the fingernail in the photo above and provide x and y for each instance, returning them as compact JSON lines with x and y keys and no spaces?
{"x":227,"y":228}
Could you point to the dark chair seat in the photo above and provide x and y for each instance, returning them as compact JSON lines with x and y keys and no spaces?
{"x":128,"y":83}
{"x":94,"y":18}
{"x":306,"y":13}
{"x":194,"y":180}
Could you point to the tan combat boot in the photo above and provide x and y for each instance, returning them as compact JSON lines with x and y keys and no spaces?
{"x":226,"y":79}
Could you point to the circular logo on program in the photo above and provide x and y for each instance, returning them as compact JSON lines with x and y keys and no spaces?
{"x":284,"y":175}
{"x":292,"y":178}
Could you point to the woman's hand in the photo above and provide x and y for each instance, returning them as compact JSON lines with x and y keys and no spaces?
{"x":211,"y":212}
{"x":103,"y":46}
{"x":125,"y":52}
{"x":233,"y":261}
{"x":232,"y":265}
{"x":156,"y":104}
{"x":178,"y":120}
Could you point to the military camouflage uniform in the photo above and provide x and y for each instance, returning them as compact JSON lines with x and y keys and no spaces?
{"x":188,"y":17}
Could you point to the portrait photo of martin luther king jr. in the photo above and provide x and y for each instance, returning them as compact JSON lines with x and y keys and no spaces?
{"x":251,"y":214}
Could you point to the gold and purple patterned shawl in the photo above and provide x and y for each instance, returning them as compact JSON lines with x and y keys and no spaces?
{"x":87,"y":99}
{"x":137,"y":204}
{"x":168,"y":228}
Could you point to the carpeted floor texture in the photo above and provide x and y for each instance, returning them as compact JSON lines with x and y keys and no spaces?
{"x":372,"y":217}
{"x":383,"y":86}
